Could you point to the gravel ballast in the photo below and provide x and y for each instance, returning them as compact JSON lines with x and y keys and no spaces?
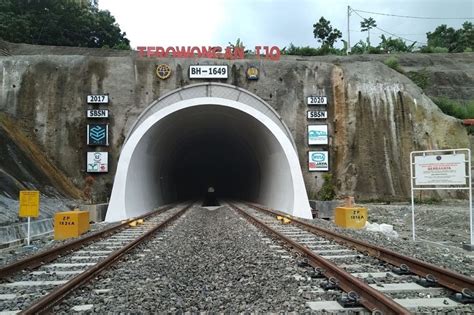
{"x":441,"y":231}
{"x":208,"y":261}
{"x":213,"y":260}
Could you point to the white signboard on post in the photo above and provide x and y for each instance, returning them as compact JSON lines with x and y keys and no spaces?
{"x":318,"y":134}
{"x":318,"y":161}
{"x":440,"y":169}
{"x":445,"y":170}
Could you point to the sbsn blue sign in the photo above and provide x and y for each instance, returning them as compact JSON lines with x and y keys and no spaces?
{"x":98,"y":134}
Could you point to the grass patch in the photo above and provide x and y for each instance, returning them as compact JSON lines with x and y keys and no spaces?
{"x":392,"y":62}
{"x":420,"y":78}
{"x":461,"y":110}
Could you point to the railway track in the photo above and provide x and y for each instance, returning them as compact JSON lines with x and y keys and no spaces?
{"x":373,"y":278}
{"x":36,"y":283}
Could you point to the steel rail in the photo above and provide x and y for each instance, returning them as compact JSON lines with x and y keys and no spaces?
{"x":447,"y":278}
{"x":37,"y":260}
{"x":370,"y":298}
{"x":45,"y":303}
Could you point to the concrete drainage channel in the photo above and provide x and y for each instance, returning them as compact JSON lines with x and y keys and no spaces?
{"x":15,"y":235}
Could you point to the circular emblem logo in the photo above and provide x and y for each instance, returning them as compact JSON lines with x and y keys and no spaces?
{"x":438,"y":158}
{"x":252,"y":73}
{"x":163,"y":71}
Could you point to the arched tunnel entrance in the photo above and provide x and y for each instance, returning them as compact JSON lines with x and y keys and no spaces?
{"x":180,"y":147}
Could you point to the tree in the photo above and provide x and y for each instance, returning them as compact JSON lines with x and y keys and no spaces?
{"x":466,"y":37}
{"x":366,"y":25}
{"x":59,"y":23}
{"x":443,"y":36}
{"x":389,"y":45}
{"x":454,"y":40}
{"x":325,"y":34}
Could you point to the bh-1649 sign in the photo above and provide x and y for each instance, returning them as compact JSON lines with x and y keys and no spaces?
{"x":208,"y":72}
{"x":97,"y":99}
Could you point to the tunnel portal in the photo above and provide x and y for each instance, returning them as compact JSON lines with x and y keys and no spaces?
{"x":192,"y":139}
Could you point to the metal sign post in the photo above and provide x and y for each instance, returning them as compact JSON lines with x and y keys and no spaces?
{"x":441,"y":170}
{"x":29,"y":207}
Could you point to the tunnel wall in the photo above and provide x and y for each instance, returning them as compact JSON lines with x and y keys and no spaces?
{"x":43,"y":93}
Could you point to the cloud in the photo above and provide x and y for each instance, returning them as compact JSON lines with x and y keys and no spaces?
{"x":274,"y":22}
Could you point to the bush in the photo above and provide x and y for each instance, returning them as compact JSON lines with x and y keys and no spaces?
{"x":420,"y":78}
{"x":392,"y":62}
{"x":434,"y":50}
{"x":456,"y":109}
{"x":327,"y":190}
{"x":311,"y":51}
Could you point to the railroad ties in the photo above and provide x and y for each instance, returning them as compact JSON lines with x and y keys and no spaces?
{"x":214,"y":258}
{"x":33,"y":291}
{"x":370,"y":283}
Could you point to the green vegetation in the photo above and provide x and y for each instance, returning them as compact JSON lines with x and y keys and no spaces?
{"x":311,"y":51}
{"x":442,"y":40}
{"x":455,"y":108}
{"x":392,"y":62}
{"x":453,"y":40}
{"x":59,"y":23}
{"x":325,"y":34}
{"x":366,"y":25}
{"x":420,"y":78}
{"x":327,"y":191}
{"x":461,"y":110}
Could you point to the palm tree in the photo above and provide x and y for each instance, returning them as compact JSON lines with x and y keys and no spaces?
{"x":366,"y":25}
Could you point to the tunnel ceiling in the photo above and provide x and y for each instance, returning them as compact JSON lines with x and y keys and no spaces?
{"x":178,"y":151}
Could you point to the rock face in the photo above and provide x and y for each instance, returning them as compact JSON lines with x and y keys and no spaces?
{"x":376,"y":115}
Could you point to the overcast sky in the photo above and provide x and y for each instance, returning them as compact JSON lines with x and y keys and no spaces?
{"x":274,"y":22}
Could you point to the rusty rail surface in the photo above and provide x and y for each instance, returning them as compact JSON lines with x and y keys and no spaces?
{"x":447,"y":278}
{"x":370,"y":298}
{"x":45,"y":303}
{"x":35,"y":261}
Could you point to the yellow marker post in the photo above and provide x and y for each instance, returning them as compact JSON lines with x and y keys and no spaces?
{"x":29,"y":207}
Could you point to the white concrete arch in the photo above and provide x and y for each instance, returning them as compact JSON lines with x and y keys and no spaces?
{"x":257,"y":155}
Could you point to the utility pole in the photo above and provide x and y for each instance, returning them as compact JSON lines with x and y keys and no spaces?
{"x":348,"y":30}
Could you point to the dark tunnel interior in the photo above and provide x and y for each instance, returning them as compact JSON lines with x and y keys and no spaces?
{"x":217,"y":159}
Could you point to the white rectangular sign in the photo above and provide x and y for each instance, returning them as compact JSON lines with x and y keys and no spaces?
{"x":97,"y":99}
{"x":97,"y":113}
{"x":440,"y":170}
{"x":317,"y":100}
{"x":318,"y":134}
{"x":318,"y":161}
{"x":97,"y":162}
{"x":317,"y":114}
{"x":208,"y":72}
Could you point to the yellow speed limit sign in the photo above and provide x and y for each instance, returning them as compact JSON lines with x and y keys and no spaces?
{"x":29,"y":203}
